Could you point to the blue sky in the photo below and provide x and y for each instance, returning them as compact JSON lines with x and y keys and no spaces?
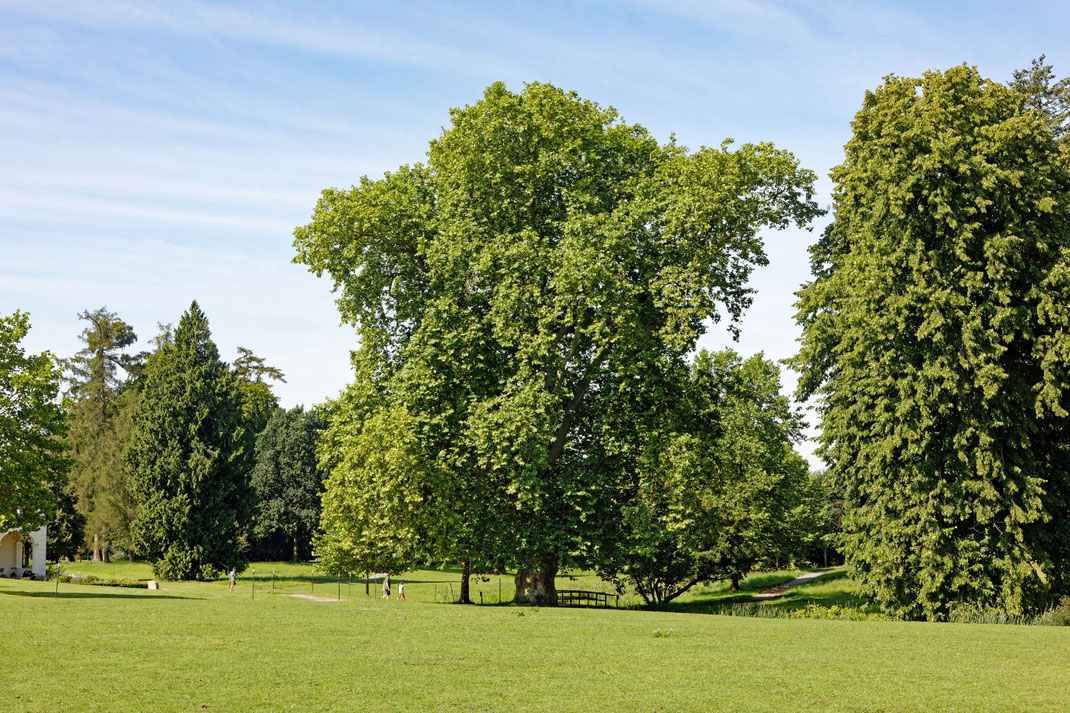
{"x":152,"y":153}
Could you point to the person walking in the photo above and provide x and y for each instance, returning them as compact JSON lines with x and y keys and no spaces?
{"x":386,"y":587}
{"x":233,"y":576}
{"x":401,"y":590}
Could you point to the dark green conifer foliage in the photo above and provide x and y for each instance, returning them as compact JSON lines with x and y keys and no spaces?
{"x":288,"y":481}
{"x":66,"y":529}
{"x":937,"y":335}
{"x":187,"y":458}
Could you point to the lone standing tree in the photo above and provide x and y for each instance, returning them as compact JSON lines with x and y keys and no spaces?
{"x":188,"y":459}
{"x":937,"y":335}
{"x":545,"y":250}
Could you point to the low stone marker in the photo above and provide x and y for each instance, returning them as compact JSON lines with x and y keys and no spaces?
{"x":153,"y":584}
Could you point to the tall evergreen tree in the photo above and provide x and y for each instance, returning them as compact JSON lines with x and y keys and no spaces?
{"x":937,"y":335}
{"x":188,"y":458}
{"x":98,"y":376}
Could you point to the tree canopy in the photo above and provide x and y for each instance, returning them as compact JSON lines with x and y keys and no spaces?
{"x":546,"y":253}
{"x":936,"y":334}
{"x":32,"y":458}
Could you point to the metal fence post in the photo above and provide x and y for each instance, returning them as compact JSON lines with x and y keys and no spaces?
{"x":252,"y":576}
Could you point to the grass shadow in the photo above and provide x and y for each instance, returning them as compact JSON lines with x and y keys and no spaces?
{"x":89,"y":595}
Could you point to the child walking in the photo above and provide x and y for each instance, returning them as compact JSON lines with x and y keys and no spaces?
{"x":401,"y":589}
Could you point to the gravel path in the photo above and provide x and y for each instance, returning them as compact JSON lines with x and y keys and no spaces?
{"x":776,"y":591}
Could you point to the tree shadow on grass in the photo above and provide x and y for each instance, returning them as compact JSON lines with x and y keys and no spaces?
{"x":88,"y":595}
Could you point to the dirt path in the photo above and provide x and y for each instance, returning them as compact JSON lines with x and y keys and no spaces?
{"x":312,"y":598}
{"x":773,"y":592}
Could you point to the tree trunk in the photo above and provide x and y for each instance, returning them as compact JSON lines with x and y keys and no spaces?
{"x":130,"y":554}
{"x":535,"y":584}
{"x":96,"y":548}
{"x":466,"y":572}
{"x":293,"y":557}
{"x":367,"y":582}
{"x":735,"y":582}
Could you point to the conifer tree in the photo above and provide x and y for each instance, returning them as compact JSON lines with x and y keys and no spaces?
{"x":937,"y":336}
{"x":98,"y":377}
{"x":188,"y":459}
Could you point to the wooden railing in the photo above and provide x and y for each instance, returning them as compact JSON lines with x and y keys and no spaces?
{"x":580,"y":598}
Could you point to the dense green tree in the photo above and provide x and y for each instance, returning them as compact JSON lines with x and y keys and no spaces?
{"x":32,"y":458}
{"x":545,"y":250}
{"x":720,"y":487}
{"x":98,"y":376}
{"x":936,"y":334}
{"x":66,"y":529}
{"x":188,"y":459}
{"x":287,"y":481}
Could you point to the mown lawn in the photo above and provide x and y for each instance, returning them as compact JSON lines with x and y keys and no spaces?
{"x":198,"y":647}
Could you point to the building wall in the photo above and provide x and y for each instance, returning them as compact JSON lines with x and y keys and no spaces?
{"x":11,"y":547}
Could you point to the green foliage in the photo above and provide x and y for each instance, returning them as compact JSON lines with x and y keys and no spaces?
{"x":100,"y":400}
{"x":374,"y":500}
{"x":1046,"y":95}
{"x":259,"y":403}
{"x":1060,"y":614}
{"x":287,"y":481}
{"x":937,"y":336}
{"x":508,"y":294}
{"x":188,"y":459}
{"x":66,"y":529}
{"x":720,"y":488}
{"x":32,"y":459}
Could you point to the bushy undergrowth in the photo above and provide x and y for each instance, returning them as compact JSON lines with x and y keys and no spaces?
{"x":810,"y":611}
{"x":103,"y":582}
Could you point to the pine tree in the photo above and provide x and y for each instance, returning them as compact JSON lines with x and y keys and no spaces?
{"x":188,"y":459}
{"x":98,"y":377}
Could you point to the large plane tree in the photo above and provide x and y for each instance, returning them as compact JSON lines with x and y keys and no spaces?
{"x":545,"y":252}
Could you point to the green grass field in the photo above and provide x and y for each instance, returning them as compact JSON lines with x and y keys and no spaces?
{"x":196,"y":646}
